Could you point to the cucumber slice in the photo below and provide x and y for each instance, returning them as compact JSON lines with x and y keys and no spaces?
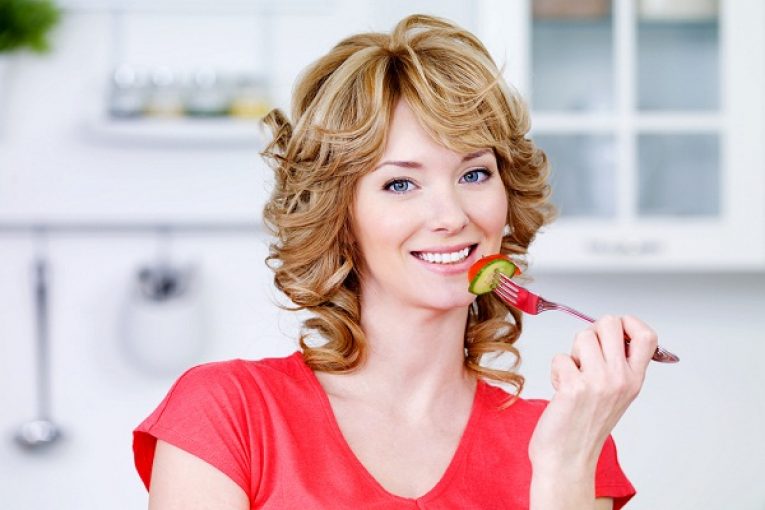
{"x":484,"y":281}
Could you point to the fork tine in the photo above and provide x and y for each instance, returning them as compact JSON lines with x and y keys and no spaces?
{"x":501,"y":280}
{"x":507,"y":282}
{"x":508,"y":294}
{"x":510,"y":298}
{"x":516,"y":296}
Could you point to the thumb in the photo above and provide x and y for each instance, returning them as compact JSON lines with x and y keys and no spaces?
{"x":563,"y":369}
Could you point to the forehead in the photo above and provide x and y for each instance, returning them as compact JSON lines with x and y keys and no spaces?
{"x":405,"y":129}
{"x":408,"y":139}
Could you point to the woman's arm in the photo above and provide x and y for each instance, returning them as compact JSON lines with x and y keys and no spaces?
{"x":594,"y":386}
{"x":604,"y":504}
{"x":182,"y":481}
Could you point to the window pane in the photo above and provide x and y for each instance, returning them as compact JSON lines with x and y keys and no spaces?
{"x":678,"y":56}
{"x":572,"y":55}
{"x":583,"y":173}
{"x":679,"y":175}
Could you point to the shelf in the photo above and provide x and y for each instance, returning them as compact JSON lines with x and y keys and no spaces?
{"x":42,"y":226}
{"x":302,"y":7}
{"x":666,"y":122}
{"x":184,"y":133}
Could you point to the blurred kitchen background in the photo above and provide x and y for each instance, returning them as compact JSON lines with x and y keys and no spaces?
{"x":130,"y":218}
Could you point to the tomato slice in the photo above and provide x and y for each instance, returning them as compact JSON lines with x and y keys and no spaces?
{"x":480,"y":263}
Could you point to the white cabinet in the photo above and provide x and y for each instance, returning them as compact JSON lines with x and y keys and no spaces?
{"x":652,"y":113}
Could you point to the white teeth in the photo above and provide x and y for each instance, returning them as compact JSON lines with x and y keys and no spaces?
{"x":445,"y":258}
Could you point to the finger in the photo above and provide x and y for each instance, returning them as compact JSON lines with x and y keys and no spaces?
{"x":563,"y":370}
{"x":611,"y":335}
{"x":643,"y":342}
{"x":587,"y":351}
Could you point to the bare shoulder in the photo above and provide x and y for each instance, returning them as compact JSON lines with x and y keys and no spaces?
{"x":180,"y":480}
{"x":604,"y":503}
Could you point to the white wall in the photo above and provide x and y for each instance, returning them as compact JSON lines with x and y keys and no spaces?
{"x":691,"y":441}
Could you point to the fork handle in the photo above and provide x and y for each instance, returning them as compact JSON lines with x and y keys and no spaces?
{"x":661,"y":355}
{"x":575,"y":313}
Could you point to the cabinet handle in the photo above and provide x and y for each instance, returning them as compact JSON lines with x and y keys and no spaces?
{"x":625,"y":247}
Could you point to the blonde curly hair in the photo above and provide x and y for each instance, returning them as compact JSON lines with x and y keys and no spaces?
{"x":341,"y":110}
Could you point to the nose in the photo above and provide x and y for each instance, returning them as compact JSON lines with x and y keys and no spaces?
{"x":448,"y":214}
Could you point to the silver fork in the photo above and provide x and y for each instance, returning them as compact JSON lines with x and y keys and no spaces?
{"x":526,"y":301}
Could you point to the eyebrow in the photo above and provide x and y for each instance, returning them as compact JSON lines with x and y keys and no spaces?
{"x":415,"y":164}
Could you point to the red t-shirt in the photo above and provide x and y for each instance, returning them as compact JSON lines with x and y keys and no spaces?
{"x":269,"y":426}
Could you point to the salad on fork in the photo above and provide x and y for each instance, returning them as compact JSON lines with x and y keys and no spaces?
{"x":494,"y":273}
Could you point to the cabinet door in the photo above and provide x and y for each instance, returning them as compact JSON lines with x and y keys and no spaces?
{"x":678,"y":49}
{"x":583,"y":175}
{"x":651,"y":114}
{"x":572,"y":56}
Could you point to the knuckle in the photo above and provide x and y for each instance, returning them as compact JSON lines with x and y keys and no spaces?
{"x":643,"y":333}
{"x":584,"y":337}
{"x":558,"y":359}
{"x":586,"y":332}
{"x":649,"y":337}
{"x":641,"y":324}
{"x":609,"y":319}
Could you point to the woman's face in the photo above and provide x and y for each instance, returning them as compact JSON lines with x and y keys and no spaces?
{"x":424,"y":215}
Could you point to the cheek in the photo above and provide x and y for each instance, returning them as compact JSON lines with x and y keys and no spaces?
{"x":492,"y":210}
{"x":379,"y":228}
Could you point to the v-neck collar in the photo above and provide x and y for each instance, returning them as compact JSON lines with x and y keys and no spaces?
{"x":456,"y":461}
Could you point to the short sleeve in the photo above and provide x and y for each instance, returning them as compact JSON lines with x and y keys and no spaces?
{"x":610,"y":480}
{"x":204,"y":413}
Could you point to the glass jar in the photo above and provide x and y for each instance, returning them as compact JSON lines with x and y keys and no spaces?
{"x":249,"y":98}
{"x":127,"y":92}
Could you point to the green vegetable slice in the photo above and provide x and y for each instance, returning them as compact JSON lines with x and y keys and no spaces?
{"x":484,"y":281}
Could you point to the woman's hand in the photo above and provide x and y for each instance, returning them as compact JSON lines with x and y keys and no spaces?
{"x":593,"y":388}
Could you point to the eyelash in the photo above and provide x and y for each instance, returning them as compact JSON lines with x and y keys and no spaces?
{"x":488,"y":173}
{"x":484,"y":171}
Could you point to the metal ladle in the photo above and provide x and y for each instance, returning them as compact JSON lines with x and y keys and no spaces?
{"x":41,"y":431}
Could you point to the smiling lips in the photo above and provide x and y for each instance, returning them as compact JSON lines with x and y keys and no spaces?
{"x":445,"y":257}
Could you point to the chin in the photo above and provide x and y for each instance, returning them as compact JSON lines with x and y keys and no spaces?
{"x":446,"y":305}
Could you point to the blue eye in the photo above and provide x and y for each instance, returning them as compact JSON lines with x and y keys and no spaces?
{"x":399,"y":186}
{"x":475,"y":175}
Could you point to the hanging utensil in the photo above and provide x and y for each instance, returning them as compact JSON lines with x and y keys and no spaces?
{"x":41,"y":431}
{"x":163,"y":324}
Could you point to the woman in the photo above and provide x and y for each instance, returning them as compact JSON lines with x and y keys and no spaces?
{"x":405,"y":162}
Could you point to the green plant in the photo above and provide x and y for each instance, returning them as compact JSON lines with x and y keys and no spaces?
{"x":26,"y":24}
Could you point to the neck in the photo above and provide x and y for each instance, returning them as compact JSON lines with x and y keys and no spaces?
{"x":414,"y":359}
